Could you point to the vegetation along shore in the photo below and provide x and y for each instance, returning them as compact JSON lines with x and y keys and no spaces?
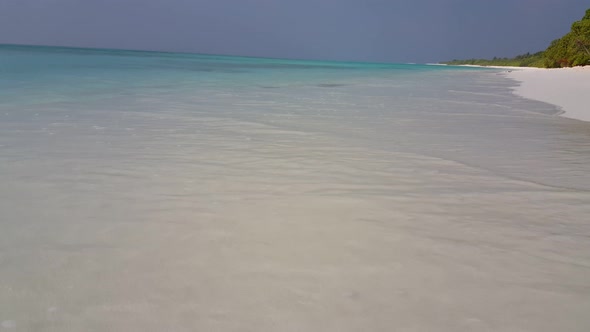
{"x":573,"y":49}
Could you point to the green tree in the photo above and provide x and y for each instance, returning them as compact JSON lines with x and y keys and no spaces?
{"x":581,"y":33}
{"x":573,"y":49}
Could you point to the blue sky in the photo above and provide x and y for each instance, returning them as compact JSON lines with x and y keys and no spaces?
{"x":359,"y":30}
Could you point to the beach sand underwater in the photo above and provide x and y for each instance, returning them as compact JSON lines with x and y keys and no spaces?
{"x":146,"y":191}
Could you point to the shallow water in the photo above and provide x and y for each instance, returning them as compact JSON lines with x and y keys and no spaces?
{"x":174,"y":192}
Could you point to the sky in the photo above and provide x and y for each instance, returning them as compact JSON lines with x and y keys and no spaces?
{"x":356,"y":30}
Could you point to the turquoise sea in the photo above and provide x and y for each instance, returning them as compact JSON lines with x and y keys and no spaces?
{"x":152,"y":191}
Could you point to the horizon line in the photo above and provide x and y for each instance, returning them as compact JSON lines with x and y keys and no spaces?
{"x":208,"y":54}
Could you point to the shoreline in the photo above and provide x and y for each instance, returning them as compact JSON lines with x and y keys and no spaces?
{"x":566,"y":88}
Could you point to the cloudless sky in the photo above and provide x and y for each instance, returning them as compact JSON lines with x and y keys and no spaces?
{"x":359,"y":30}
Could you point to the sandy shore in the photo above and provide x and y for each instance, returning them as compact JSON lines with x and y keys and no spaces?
{"x":568,"y":88}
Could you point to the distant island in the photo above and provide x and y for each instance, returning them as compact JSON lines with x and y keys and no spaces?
{"x":571,"y":50}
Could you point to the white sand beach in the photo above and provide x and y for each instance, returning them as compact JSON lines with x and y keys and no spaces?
{"x":568,"y":88}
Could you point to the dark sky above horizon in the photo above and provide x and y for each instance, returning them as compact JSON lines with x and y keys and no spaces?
{"x":358,"y":30}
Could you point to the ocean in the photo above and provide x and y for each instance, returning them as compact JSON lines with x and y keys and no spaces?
{"x":152,"y":191}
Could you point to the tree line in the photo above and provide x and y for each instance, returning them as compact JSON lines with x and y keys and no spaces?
{"x":571,"y":50}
